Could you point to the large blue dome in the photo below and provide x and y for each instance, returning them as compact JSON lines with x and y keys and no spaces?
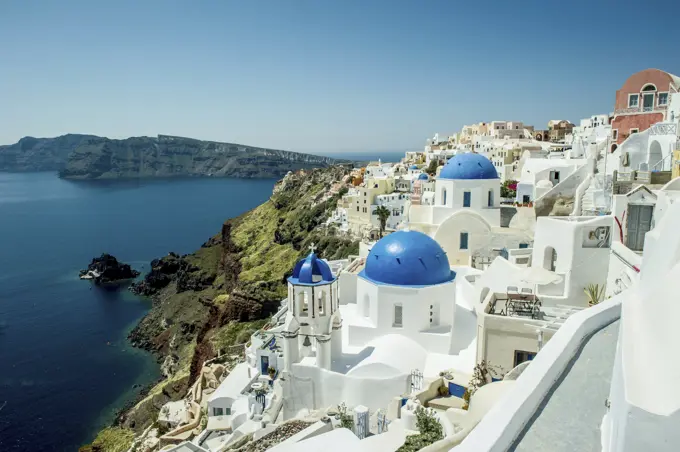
{"x":407,"y":258}
{"x":311,"y":271}
{"x":423,"y":176}
{"x":469,"y":166}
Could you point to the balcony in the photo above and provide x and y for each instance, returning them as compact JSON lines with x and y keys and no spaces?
{"x":639,"y":109}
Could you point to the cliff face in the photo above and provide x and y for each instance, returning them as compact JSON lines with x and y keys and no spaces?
{"x":166,"y":156}
{"x":218,"y":296}
{"x":39,"y":154}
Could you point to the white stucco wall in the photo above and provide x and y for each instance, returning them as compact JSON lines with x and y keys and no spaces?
{"x":378,"y":301}
{"x":448,"y":235}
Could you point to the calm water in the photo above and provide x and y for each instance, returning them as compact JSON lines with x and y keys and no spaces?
{"x":65,"y":363}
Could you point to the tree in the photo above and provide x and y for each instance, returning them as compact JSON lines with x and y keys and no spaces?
{"x":383,"y":214}
{"x":509,"y":189}
{"x":432,"y":167}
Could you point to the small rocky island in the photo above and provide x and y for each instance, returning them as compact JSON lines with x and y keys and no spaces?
{"x":106,"y":269}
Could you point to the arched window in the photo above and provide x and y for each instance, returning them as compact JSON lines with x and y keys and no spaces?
{"x":649,"y":87}
{"x":322,"y":303}
{"x":304,"y":304}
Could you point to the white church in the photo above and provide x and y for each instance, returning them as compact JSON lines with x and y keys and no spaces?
{"x":398,"y":301}
{"x":466,"y":212}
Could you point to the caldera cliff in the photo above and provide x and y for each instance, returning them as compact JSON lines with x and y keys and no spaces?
{"x":219,"y":295}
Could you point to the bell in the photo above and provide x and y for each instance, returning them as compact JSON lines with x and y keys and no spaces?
{"x":307,"y":342}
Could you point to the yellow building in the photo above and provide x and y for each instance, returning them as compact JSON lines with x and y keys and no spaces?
{"x":675,"y":171}
{"x":359,"y":211}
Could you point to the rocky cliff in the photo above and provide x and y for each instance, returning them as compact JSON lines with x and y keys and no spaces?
{"x":218,"y":296}
{"x":167,"y":156}
{"x":39,"y":154}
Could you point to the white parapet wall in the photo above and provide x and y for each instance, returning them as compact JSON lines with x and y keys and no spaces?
{"x":505,"y":421}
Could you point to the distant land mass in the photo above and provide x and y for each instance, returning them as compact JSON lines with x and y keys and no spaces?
{"x":91,"y":157}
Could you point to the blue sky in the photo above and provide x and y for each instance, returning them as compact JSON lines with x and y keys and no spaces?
{"x":317,"y":76}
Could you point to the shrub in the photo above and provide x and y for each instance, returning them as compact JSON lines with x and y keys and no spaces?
{"x":429,"y":428}
{"x":346,"y":419}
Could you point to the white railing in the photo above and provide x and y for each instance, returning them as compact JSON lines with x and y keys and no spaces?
{"x":639,"y":109}
{"x":664,"y":129}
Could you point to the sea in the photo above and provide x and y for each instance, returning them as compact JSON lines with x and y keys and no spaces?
{"x":66,"y":366}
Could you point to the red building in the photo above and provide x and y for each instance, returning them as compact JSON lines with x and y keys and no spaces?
{"x":641,"y":102}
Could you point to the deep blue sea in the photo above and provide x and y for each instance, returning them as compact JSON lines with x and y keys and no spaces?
{"x":65,"y":363}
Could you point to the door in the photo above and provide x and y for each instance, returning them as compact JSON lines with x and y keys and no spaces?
{"x":265,"y":364}
{"x":639,"y":223}
{"x":648,"y":102}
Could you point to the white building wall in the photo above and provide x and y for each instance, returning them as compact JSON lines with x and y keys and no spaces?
{"x":378,"y":301}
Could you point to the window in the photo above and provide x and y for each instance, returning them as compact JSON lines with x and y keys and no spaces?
{"x":522,"y":356}
{"x":523,"y":246}
{"x":463,"y":240}
{"x":304,"y":303}
{"x":663,"y":98}
{"x":490,"y":199}
{"x":322,"y":298}
{"x":218,"y":411}
{"x":357,"y":208}
{"x":466,"y":199}
{"x":227,"y":411}
{"x":398,"y":316}
{"x":615,"y":134}
{"x":633,"y":100}
{"x":632,"y":131}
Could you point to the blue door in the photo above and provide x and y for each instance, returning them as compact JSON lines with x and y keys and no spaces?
{"x":466,"y":199}
{"x":456,"y":390}
{"x":265,"y":364}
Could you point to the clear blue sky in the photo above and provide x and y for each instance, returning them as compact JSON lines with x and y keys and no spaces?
{"x":318,"y":76}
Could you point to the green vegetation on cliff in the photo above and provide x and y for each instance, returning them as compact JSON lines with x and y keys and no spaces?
{"x":210,"y":300}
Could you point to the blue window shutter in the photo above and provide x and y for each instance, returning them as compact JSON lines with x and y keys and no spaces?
{"x":463,"y":240}
{"x":466,"y":199}
{"x":523,"y":245}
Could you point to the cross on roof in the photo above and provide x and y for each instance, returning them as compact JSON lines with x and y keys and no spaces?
{"x":312,"y":247}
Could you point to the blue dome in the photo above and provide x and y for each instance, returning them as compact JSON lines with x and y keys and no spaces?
{"x":311,"y":271}
{"x":469,"y":166}
{"x":423,"y":176}
{"x":413,"y":167}
{"x":407,"y":258}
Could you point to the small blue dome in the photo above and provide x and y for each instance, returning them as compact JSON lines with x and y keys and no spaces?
{"x":423,"y":176}
{"x":311,"y":271}
{"x":469,"y":166}
{"x":407,"y":258}
{"x":413,"y":167}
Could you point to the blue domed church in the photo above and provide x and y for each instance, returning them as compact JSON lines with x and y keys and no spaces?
{"x":466,"y":206}
{"x":406,"y":287}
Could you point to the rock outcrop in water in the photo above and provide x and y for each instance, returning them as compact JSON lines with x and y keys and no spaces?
{"x":106,"y":269}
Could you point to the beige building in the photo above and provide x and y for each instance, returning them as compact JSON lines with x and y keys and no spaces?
{"x":359,"y":210}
